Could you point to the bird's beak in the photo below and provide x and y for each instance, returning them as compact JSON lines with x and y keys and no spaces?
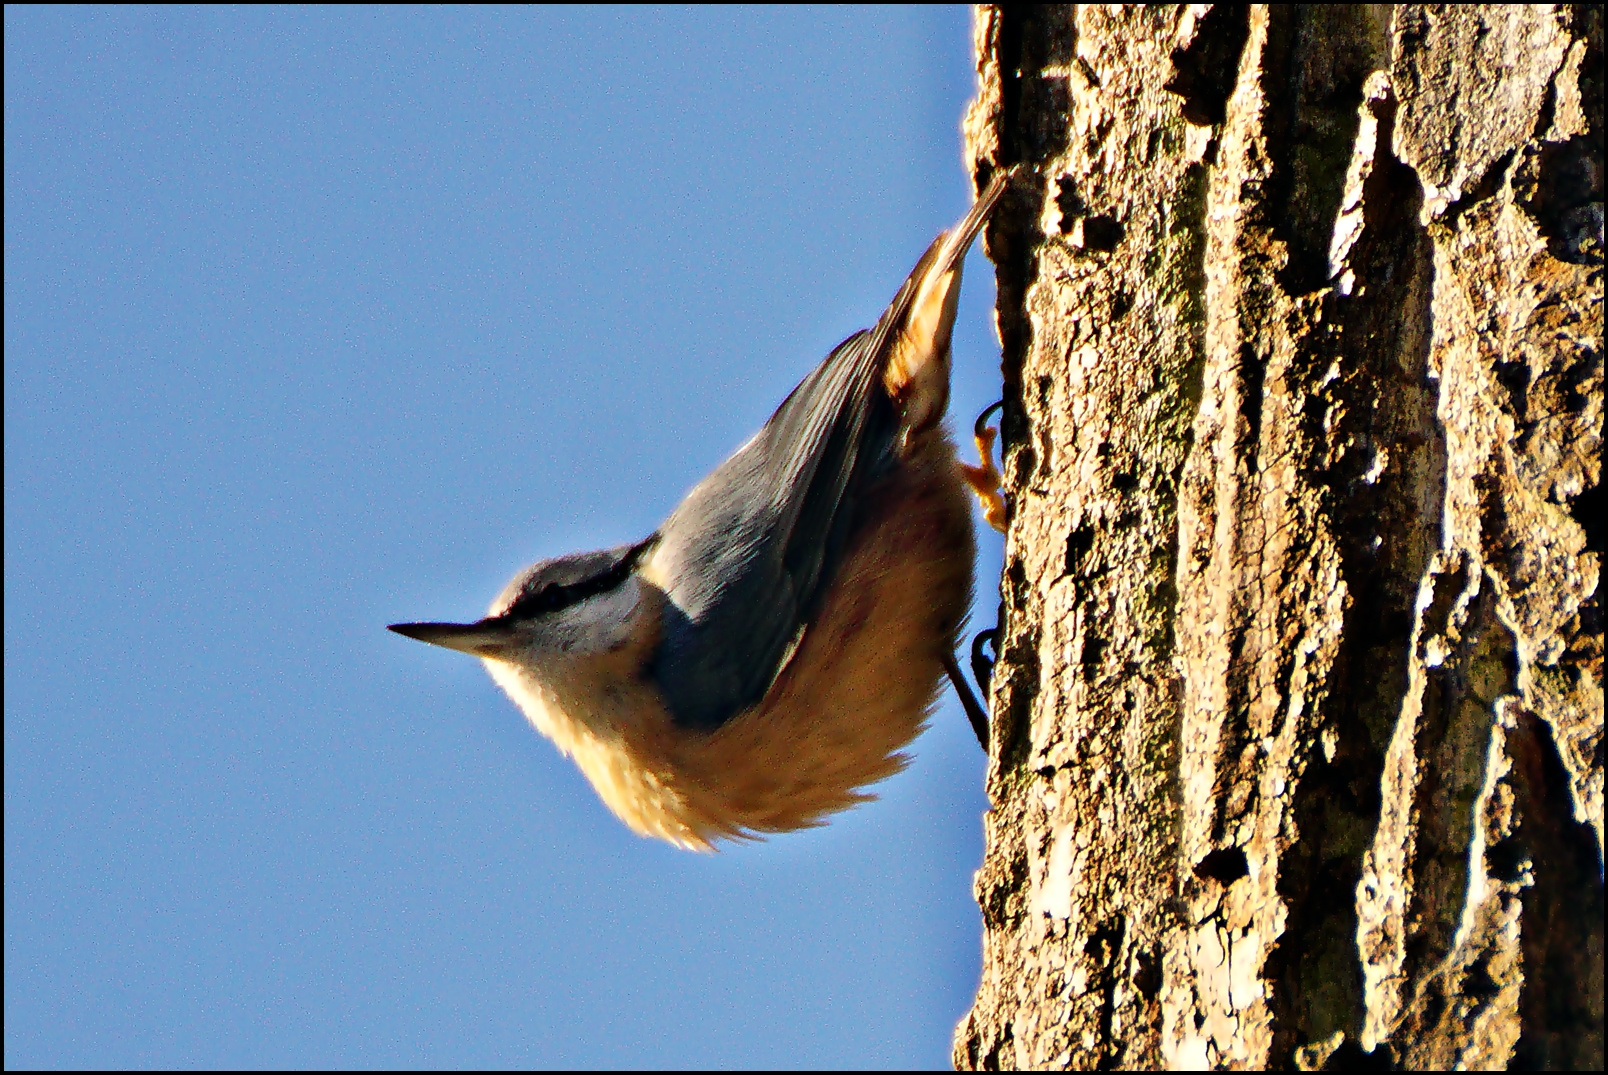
{"x":488,"y":638}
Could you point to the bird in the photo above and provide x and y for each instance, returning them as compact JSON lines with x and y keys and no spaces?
{"x":756,"y":662}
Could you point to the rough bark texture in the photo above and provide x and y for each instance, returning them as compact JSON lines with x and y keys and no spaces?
{"x":1298,"y":706}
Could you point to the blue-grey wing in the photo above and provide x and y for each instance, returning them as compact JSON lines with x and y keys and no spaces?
{"x":747,"y":555}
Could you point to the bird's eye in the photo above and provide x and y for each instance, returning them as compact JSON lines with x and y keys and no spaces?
{"x":536,"y":602}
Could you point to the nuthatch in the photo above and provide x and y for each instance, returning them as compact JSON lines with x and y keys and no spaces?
{"x":767,"y":652}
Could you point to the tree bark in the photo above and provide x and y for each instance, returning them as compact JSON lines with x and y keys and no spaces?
{"x":1298,"y":713}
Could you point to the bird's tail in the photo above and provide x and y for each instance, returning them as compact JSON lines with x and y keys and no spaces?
{"x":958,"y":239}
{"x":913,"y":335}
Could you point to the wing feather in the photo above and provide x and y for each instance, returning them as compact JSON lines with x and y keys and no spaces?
{"x":746,"y":556}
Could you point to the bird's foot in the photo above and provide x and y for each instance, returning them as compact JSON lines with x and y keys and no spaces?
{"x":985,"y":480}
{"x":975,"y":713}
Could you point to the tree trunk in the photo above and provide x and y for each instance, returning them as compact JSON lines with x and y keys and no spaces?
{"x":1298,"y":707}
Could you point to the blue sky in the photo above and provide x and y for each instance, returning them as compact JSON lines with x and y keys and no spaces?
{"x":318,"y":320}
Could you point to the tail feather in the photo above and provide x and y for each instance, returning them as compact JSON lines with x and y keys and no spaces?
{"x":918,"y":324}
{"x":958,"y":239}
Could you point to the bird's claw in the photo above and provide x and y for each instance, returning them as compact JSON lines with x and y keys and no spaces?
{"x":985,"y":479}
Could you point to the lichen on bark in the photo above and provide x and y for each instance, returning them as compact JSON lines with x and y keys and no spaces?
{"x":1298,"y":709}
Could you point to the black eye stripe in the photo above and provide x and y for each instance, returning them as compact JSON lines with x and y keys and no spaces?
{"x":553,"y":596}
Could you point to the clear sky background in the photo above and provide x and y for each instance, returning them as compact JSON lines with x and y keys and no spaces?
{"x":319,"y":320}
